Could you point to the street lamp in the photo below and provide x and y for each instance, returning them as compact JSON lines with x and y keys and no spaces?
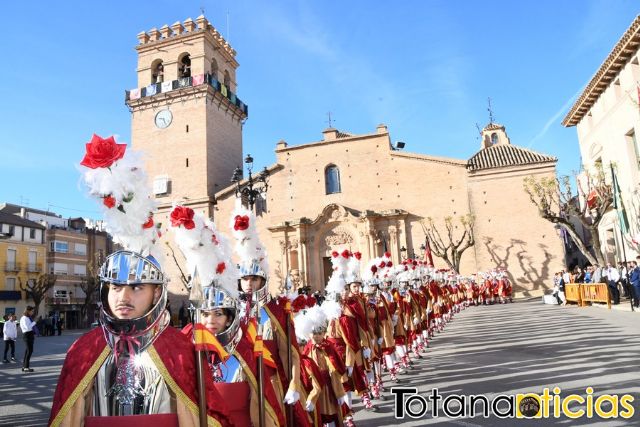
{"x":403,"y":253}
{"x":423,"y":249}
{"x":253,"y":187}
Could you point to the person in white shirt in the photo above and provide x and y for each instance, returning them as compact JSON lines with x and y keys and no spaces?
{"x":10,"y":331}
{"x":612,"y":280}
{"x":28,"y":334}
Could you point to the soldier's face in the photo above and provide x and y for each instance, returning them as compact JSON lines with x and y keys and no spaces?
{"x":317,"y":338}
{"x":355,"y":288}
{"x":215,"y":320}
{"x":251,"y":283}
{"x":132,"y":301}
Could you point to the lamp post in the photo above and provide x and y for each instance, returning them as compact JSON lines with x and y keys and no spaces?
{"x":403,"y":253}
{"x":254,"y":186}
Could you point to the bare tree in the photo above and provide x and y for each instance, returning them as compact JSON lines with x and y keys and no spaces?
{"x":555,"y":200}
{"x":38,"y":288}
{"x":90,"y":286}
{"x":445,"y":244}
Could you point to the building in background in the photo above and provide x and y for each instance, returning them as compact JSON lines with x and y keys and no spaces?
{"x":607,"y":119}
{"x":71,"y":249}
{"x":22,"y":258}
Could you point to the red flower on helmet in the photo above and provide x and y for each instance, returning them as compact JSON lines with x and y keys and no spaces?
{"x":241,"y":222}
{"x":182,"y":216}
{"x":382,"y":264}
{"x":109,"y":201}
{"x":387,"y":254}
{"x":374,"y":269}
{"x":220,"y":268}
{"x":358,"y":255}
{"x":311,"y":301}
{"x":299,"y":303}
{"x":149,"y":222}
{"x":389,"y":264}
{"x":335,"y":254}
{"x":102,"y":153}
{"x":214,"y":240}
{"x":346,"y":253}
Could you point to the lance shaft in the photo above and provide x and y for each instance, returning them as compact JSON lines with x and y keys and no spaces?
{"x":260,"y":364}
{"x":200,"y":361}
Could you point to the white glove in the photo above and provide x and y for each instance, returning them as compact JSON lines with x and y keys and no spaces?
{"x":291,"y":397}
{"x":380,"y":341}
{"x":366,"y":352}
{"x":349,"y":370}
{"x":342,"y":400}
{"x":310,"y":406}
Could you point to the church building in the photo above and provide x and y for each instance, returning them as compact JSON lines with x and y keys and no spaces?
{"x":344,"y":191}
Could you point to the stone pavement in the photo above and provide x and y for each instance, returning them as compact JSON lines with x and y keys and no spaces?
{"x":524,"y":347}
{"x":512,"y":348}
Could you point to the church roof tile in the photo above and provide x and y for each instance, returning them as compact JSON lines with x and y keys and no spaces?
{"x":505,"y":155}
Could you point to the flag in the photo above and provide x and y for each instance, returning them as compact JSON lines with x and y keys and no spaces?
{"x":427,"y":252}
{"x":198,"y":79}
{"x":258,"y":344}
{"x":151,"y":90}
{"x":166,"y":86}
{"x":618,"y":205}
{"x":205,"y":340}
{"x":134,"y":94}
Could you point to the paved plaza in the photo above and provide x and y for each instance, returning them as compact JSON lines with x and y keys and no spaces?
{"x":500,"y":349}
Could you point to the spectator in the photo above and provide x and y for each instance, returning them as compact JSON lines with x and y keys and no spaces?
{"x":613,"y":277}
{"x":28,"y":335}
{"x":634,"y":278}
{"x":578,"y":276}
{"x":59,"y":325}
{"x":2,"y":322}
{"x":10,"y":334}
{"x":596,"y":277}
{"x":622,"y":269}
{"x":588,"y":274}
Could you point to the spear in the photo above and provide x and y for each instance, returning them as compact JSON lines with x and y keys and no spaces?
{"x":260,"y":361}
{"x":195,"y":297}
{"x":288,"y":285}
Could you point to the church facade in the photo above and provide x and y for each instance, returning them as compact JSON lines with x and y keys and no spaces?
{"x":344,"y":191}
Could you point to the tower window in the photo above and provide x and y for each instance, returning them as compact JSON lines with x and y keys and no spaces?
{"x":227,"y":80}
{"x":184,"y":69}
{"x":214,"y":69}
{"x":332,"y":179}
{"x":187,"y":162}
{"x":157,"y":72}
{"x":494,"y":138}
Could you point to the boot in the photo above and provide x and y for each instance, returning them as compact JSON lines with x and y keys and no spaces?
{"x":393,"y":374}
{"x":366,"y":400}
{"x":348,"y":421}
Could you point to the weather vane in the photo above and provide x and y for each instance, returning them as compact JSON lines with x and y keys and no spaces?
{"x":490,"y":111}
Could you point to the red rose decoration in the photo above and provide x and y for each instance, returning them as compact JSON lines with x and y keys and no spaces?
{"x":214,"y":240}
{"x":101,"y":153}
{"x":387,"y":254}
{"x":311,"y":301}
{"x":335,"y":254}
{"x":109,"y":201}
{"x":220,"y":268}
{"x":406,"y":268}
{"x":182,"y":216}
{"x":374,"y":269}
{"x":358,"y":255}
{"x":346,"y":253}
{"x":382,"y":264}
{"x":389,"y":264}
{"x":149,"y":222}
{"x":242,"y":223}
{"x":299,"y":303}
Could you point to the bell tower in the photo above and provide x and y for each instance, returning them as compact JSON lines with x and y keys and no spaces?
{"x":186,"y":118}
{"x":185,"y":115}
{"x":494,"y":134}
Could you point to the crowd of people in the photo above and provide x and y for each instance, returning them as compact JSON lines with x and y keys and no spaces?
{"x":10,"y":335}
{"x":289,"y":359}
{"x":623,"y":279}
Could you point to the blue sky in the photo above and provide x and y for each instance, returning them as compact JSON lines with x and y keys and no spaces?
{"x":424,"y":68}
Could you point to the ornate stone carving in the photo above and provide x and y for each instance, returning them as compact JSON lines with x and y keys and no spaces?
{"x":338,"y":236}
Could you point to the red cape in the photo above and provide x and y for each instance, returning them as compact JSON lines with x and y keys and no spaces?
{"x":177,"y":364}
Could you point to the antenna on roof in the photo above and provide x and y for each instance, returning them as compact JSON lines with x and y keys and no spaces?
{"x":479,"y":130}
{"x":490,"y":111}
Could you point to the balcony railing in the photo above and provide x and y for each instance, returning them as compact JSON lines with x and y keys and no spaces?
{"x":34,"y":268}
{"x":185,"y":82}
{"x":11,"y":266}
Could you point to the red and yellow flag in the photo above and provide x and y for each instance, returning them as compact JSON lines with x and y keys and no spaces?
{"x":205,"y":340}
{"x":258,"y":344}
